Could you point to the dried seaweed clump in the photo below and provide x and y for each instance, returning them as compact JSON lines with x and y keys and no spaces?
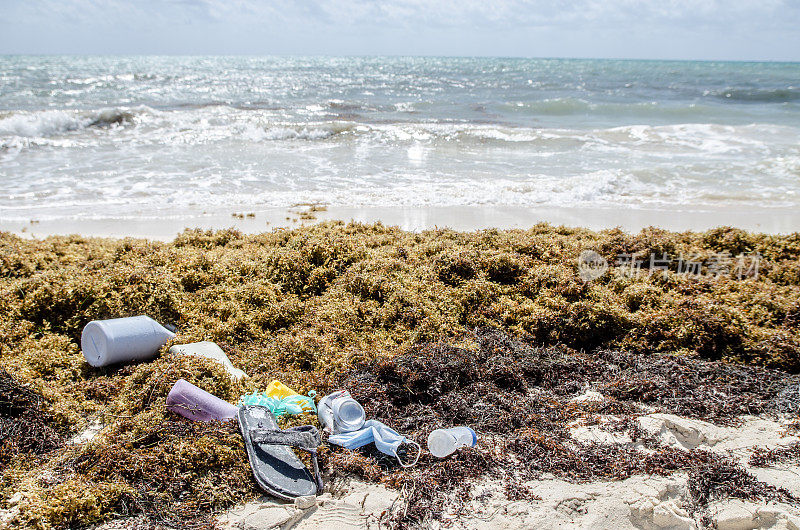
{"x":789,"y":454}
{"x":520,"y":398}
{"x":170,"y":472}
{"x":335,"y":302}
{"x":25,"y":425}
{"x":722,"y":479}
{"x":147,"y":462}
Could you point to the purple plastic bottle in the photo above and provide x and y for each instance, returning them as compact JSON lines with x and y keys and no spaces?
{"x":197,"y":404}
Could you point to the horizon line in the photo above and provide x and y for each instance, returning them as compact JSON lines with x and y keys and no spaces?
{"x":400,"y":56}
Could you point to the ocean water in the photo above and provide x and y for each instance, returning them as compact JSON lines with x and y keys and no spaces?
{"x":128,"y":137}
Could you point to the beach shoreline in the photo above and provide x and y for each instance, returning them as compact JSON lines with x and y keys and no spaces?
{"x":513,"y":333}
{"x":300,"y":286}
{"x":413,"y":219}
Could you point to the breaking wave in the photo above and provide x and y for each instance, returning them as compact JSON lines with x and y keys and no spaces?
{"x":220,"y":123}
{"x":54,"y":122}
{"x":643,"y":110}
{"x":760,"y":95}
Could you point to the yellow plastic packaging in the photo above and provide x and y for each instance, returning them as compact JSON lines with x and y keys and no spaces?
{"x":278,"y":390}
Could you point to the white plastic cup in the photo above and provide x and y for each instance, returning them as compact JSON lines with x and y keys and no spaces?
{"x":117,"y":340}
{"x":339,"y":412}
{"x":209,"y":350}
{"x":445,"y":442}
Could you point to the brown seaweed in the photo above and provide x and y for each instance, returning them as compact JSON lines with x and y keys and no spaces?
{"x":491,"y":328}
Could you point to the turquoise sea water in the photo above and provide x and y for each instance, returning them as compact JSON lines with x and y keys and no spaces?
{"x":151,"y":136}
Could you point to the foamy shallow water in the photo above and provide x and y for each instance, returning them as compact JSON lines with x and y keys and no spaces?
{"x":150,"y":137}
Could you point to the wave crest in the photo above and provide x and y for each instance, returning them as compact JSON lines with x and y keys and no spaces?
{"x":311,"y":131}
{"x":760,"y":95}
{"x":47,"y":123}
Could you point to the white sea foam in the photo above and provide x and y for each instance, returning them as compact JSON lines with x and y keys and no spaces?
{"x":148,"y":160}
{"x":405,"y":106}
{"x":221,"y":122}
{"x":55,"y":122}
{"x":41,"y":124}
{"x":183,"y":133}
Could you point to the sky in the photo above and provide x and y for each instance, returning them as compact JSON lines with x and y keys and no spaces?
{"x":637,"y":29}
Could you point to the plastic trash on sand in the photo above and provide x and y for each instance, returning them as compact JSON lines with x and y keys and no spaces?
{"x":386,"y":440}
{"x":339,"y":412}
{"x":280,"y":400}
{"x":116,"y":340}
{"x":278,"y":390}
{"x":445,"y":442}
{"x":196,"y":404}
{"x":209,"y":350}
{"x":344,"y":418}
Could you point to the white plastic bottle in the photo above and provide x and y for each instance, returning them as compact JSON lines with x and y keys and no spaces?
{"x":116,"y":340}
{"x":209,"y":350}
{"x":445,"y":442}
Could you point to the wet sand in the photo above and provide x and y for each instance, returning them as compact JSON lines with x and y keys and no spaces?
{"x":768,"y":220}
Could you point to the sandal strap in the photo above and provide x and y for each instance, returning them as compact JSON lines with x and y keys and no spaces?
{"x":305,"y":437}
{"x":317,"y":474}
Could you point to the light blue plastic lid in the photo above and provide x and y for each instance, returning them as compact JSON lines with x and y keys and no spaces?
{"x":474,"y":436}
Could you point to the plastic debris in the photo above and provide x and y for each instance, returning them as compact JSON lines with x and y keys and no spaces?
{"x":209,"y":350}
{"x":196,"y":404}
{"x":117,"y":340}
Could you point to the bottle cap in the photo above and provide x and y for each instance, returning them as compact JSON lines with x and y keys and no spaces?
{"x":349,"y":413}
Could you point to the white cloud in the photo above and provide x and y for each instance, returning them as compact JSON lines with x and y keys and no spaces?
{"x":515,"y":13}
{"x":767,"y":24}
{"x":405,"y":13}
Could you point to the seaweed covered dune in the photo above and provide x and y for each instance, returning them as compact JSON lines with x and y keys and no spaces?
{"x":531,"y":336}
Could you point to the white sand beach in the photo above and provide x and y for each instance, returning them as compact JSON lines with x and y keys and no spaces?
{"x":767,"y":220}
{"x":641,"y":502}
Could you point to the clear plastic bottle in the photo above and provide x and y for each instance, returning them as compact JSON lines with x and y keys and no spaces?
{"x":445,"y":442}
{"x":339,"y":412}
